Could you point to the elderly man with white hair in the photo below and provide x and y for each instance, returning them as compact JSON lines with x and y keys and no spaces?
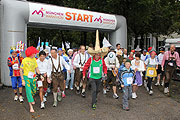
{"x":70,"y":76}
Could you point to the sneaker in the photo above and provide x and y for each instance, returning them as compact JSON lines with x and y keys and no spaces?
{"x":157,"y":84}
{"x":71,"y":88}
{"x":55,"y":104}
{"x":126,"y":109}
{"x":21,"y":99}
{"x":94,"y":106}
{"x":42,"y":105}
{"x":44,"y":99}
{"x":66,"y":87}
{"x":150,"y":92}
{"x":115,"y":96}
{"x":134,"y":96}
{"x":104,"y":91}
{"x":59,"y":98}
{"x":15,"y":98}
{"x":166,"y":90}
{"x":83,"y":94}
{"x":63,"y":95}
{"x":77,"y":91}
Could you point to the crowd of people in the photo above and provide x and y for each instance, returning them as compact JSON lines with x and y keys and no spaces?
{"x":77,"y":69}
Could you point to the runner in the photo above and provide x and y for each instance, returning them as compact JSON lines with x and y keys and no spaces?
{"x":97,"y":66}
{"x":131,"y":56}
{"x":27,"y":70}
{"x":125,"y":55}
{"x":138,"y":67}
{"x":159,"y":71}
{"x":43,"y":78}
{"x":61,"y":52}
{"x":151,"y":66}
{"x":127,"y":78}
{"x":79,"y":62}
{"x":14,"y":63}
{"x":169,"y":64}
{"x":118,"y":48}
{"x":112,"y":64}
{"x":70,"y":76}
{"x":144,"y":55}
{"x":57,"y":62}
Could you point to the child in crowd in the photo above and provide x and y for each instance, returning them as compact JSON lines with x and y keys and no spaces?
{"x":127,"y":78}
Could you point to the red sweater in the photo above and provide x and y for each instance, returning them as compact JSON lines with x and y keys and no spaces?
{"x":88,"y":64}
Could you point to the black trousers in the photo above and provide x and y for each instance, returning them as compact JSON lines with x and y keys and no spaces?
{"x":95,"y":83}
{"x":149,"y":84}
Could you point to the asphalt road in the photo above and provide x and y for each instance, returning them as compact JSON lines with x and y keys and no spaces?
{"x":74,"y":107}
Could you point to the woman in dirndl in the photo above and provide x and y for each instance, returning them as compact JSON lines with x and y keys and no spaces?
{"x":151,"y":73}
{"x":138,"y":67}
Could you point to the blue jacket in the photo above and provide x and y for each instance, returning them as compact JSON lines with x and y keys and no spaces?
{"x":67,"y":60}
{"x":125,"y":73}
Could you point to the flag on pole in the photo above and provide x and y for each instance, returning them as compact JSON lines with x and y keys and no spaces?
{"x":62,"y":45}
{"x":20,"y":46}
{"x":38,"y":45}
{"x":106,"y":43}
{"x":67,"y":45}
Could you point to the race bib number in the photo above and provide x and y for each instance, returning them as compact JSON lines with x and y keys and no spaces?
{"x":96,"y":69}
{"x":40,"y":83}
{"x":151,"y":72}
{"x":129,"y":80}
{"x":170,"y":64}
{"x":31,"y":75}
{"x":15,"y":67}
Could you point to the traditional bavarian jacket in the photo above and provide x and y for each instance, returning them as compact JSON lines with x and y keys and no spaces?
{"x":111,"y":61}
{"x":14,"y":65}
{"x":56,"y":64}
{"x":168,"y":54}
{"x":80,"y":60}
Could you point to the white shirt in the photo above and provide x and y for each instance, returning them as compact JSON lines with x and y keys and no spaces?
{"x":77,"y":62}
{"x":150,"y":61}
{"x":140,"y":67}
{"x":70,"y":64}
{"x":44,"y":67}
{"x":160,"y":58}
{"x":56,"y":63}
{"x":143,"y":57}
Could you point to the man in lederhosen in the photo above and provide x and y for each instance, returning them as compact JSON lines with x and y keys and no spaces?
{"x":79,"y":61}
{"x":57,"y":62}
{"x":169,"y":64}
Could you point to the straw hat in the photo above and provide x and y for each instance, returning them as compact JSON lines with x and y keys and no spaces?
{"x":97,"y":49}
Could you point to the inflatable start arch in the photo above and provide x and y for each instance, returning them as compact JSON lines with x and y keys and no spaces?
{"x":16,"y":15}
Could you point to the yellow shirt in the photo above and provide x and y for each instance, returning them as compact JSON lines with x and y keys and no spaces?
{"x":29,"y":65}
